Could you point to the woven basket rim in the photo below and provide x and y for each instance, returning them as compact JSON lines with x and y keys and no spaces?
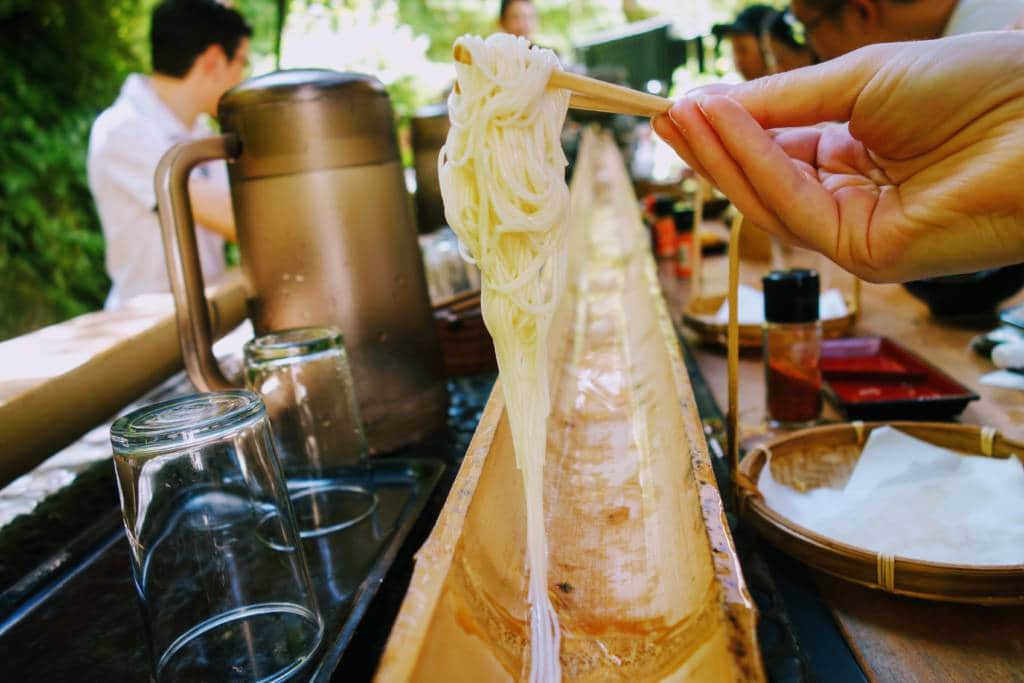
{"x":709,"y":330}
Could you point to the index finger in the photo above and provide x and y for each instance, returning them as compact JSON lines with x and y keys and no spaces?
{"x":803,"y":97}
{"x":779,"y":182}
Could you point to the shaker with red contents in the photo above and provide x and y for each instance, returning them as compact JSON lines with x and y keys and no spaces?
{"x":686,"y":243}
{"x":792,"y":347}
{"x":661,"y":208}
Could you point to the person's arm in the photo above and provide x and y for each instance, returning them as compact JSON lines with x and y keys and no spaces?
{"x":211,"y":207}
{"x":129,"y":159}
{"x":921,"y":176}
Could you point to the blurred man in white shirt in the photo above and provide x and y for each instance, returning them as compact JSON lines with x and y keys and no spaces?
{"x":200,"y":49}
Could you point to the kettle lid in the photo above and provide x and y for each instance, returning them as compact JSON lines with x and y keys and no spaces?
{"x":301,"y":120}
{"x":297,"y":85}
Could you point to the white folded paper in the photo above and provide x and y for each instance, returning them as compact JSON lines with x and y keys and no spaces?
{"x":1004,"y":379}
{"x":831,"y":304}
{"x":1009,"y":355}
{"x":911,"y":499}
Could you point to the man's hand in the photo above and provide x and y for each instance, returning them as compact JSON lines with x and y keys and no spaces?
{"x":923,"y":175}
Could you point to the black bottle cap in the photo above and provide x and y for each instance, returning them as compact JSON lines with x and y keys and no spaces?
{"x":663,"y":205}
{"x":684,"y":220}
{"x":791,"y":296}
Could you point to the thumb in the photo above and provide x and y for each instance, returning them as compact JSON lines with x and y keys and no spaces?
{"x":803,"y":97}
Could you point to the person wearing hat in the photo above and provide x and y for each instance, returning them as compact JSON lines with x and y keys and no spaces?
{"x":744,"y":34}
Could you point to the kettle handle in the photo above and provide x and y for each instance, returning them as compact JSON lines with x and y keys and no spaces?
{"x":183,"y":266}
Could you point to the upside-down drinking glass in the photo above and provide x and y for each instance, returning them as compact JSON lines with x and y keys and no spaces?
{"x":215,"y":552}
{"x":303,"y":377}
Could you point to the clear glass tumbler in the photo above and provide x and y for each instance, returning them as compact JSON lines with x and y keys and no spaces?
{"x":215,"y":552}
{"x":303,"y":377}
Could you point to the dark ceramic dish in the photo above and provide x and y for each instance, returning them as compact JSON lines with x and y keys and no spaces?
{"x":971,"y":294}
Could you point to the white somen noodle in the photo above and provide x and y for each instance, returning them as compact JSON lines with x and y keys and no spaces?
{"x":502,"y":173}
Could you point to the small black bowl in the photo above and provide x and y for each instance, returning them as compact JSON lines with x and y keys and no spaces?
{"x":969,"y":296}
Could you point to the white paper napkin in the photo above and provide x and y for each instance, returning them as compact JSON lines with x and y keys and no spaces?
{"x":831,"y":304}
{"x":909,"y":498}
{"x":1004,"y":379}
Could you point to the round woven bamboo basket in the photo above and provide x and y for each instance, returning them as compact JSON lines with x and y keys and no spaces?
{"x":700,"y":312}
{"x":825,"y":456}
{"x":701,"y":308}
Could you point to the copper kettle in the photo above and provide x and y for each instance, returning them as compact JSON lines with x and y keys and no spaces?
{"x":326,"y":237}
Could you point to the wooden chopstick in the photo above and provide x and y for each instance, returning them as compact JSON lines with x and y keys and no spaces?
{"x":594,"y":95}
{"x":612,"y":98}
{"x":587,"y":103}
{"x":732,"y":352}
{"x":456,"y":299}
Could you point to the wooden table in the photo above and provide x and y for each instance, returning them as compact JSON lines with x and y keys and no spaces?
{"x":895,"y":638}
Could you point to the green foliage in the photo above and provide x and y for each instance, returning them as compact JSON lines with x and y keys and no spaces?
{"x":61,"y":62}
{"x":262,"y":15}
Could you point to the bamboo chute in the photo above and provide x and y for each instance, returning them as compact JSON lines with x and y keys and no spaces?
{"x":642,"y":570}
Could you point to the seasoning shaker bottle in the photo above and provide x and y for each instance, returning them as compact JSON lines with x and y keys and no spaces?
{"x":792,"y":347}
{"x":661,"y":210}
{"x":686,"y":244}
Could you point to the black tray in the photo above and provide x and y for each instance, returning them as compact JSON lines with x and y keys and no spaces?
{"x":76,"y":616}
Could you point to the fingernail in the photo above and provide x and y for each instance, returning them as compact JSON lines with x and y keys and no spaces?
{"x":702,"y":99}
{"x":676,"y":113}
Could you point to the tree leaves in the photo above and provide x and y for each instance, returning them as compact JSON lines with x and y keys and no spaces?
{"x":61,"y":63}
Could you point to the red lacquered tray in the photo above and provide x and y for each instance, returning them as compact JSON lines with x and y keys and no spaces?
{"x":874,"y":378}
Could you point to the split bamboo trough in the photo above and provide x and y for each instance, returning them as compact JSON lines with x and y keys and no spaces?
{"x":643,"y":572}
